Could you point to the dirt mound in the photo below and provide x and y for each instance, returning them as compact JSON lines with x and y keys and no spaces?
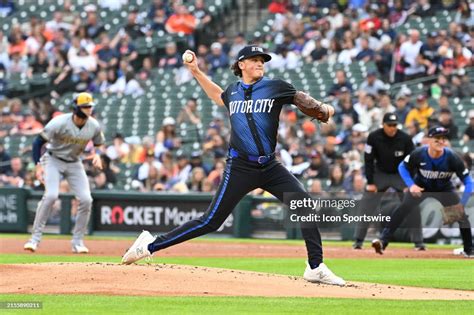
{"x":178,"y":280}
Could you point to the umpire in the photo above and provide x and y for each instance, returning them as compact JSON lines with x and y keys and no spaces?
{"x":385,"y":149}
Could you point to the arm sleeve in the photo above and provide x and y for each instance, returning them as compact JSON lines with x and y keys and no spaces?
{"x":405,"y":173}
{"x":37,"y":145}
{"x":467,"y":190}
{"x":99,"y":138}
{"x":369,"y":160}
{"x":463,"y":173}
{"x":224,"y":97}
{"x":285,"y":92}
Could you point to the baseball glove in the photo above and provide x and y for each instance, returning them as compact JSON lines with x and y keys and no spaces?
{"x":312,"y":107}
{"x":453,"y":214}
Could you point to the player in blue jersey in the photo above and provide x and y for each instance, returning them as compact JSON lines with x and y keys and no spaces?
{"x":254,"y":104}
{"x":432,"y":166}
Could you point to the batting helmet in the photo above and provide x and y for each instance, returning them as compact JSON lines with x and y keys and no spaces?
{"x":82,"y":99}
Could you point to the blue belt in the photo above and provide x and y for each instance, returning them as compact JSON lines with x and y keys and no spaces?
{"x":260,"y":159}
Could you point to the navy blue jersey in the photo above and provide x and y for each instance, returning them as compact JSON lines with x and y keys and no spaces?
{"x":435,"y":174}
{"x":262,"y":103}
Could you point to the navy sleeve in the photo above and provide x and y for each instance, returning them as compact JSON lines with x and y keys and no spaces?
{"x":459,"y":166}
{"x":224,"y":96}
{"x":37,"y":145}
{"x":411,"y":160}
{"x":285,"y":92}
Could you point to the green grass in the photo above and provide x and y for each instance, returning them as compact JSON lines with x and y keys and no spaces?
{"x":88,"y":304}
{"x":347,"y":244}
{"x":435,"y":273}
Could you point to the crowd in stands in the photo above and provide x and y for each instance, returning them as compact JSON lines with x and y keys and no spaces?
{"x":78,"y":54}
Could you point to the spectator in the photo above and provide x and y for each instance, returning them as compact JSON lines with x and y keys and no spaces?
{"x":372,"y":85}
{"x":7,"y":7}
{"x":279,"y":6}
{"x":237,"y":45}
{"x":385,"y":104}
{"x":409,"y":52}
{"x":127,"y":85}
{"x":319,"y":53}
{"x":468,"y":133}
{"x":217,"y":58}
{"x":40,"y":64}
{"x":83,"y":61}
{"x":14,"y":177}
{"x":384,"y":58}
{"x":421,"y":112}
{"x":172,"y":58}
{"x":415,"y":132}
{"x":465,"y":14}
{"x":336,"y":178}
{"x":215,"y":176}
{"x":18,"y":66}
{"x":423,"y":8}
{"x":169,"y":169}
{"x":145,"y":72}
{"x":446,"y":120}
{"x":112,"y":5}
{"x":461,"y":85}
{"x":57,"y":23}
{"x":202,"y":15}
{"x":189,"y":113}
{"x":119,"y":150}
{"x":316,"y":188}
{"x":398,"y":16}
{"x":92,"y":27}
{"x":340,"y":82}
{"x":402,"y":109}
{"x":317,"y":168}
{"x":429,"y":55}
{"x":107,"y":57}
{"x":197,"y":178}
{"x":166,"y":138}
{"x":158,"y":20}
{"x":29,"y":126}
{"x":4,"y":159}
{"x":100,"y":83}
{"x":181,"y":21}
{"x":365,"y":54}
{"x":132,"y":28}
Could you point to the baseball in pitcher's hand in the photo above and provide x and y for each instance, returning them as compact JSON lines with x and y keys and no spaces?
{"x":193,"y":64}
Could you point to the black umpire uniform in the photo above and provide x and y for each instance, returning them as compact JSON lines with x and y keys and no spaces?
{"x":385,"y":149}
{"x":254,"y":117}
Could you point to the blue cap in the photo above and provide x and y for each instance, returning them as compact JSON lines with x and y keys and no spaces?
{"x":251,"y":51}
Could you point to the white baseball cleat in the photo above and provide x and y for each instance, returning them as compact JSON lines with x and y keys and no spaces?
{"x":322,"y":274}
{"x":31,"y":246}
{"x":458,"y":251}
{"x":139,"y":249}
{"x":79,"y":247}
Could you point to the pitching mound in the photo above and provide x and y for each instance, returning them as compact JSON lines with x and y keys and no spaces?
{"x":177,"y":280}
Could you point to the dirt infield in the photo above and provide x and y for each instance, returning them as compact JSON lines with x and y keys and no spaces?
{"x":175,"y":280}
{"x":204,"y":248}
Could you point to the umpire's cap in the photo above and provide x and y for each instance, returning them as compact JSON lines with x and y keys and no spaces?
{"x":437,"y":131}
{"x":84,"y":99}
{"x":251,"y":51}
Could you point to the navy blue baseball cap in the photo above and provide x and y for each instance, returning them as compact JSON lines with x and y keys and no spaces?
{"x":251,"y":51}
{"x":438,"y":131}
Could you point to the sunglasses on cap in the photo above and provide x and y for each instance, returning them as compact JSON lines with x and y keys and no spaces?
{"x":86,"y":106}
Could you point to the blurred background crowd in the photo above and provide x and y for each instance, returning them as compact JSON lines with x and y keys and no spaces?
{"x":397,"y":43}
